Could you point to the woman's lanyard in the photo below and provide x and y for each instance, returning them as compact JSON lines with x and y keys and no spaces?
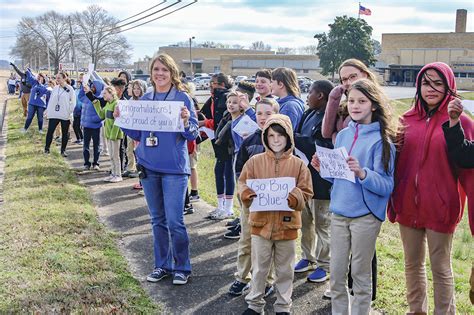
{"x":166,"y":96}
{"x":57,"y":107}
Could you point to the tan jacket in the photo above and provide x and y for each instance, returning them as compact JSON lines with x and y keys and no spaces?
{"x":277,"y":225}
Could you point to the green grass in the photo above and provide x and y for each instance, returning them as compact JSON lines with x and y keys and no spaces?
{"x":391,"y":283}
{"x":55,"y":257}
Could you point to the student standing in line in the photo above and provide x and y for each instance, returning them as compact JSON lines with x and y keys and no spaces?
{"x":285,"y":87}
{"x":76,"y":124}
{"x":39,"y":98}
{"x":60,"y":107}
{"x":25,"y":89}
{"x":427,"y":202}
{"x":274,"y":233}
{"x":251,"y":146}
{"x":316,"y":219}
{"x":358,"y":209}
{"x":164,"y":166}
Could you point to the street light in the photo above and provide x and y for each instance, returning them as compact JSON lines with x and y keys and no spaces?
{"x":190,"y":56}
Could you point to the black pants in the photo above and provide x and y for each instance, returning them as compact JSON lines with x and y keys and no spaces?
{"x":123,"y":154}
{"x":76,"y":126}
{"x":94,"y":134}
{"x":52,"y":124}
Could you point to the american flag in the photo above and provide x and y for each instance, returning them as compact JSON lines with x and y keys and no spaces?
{"x":364,"y":10}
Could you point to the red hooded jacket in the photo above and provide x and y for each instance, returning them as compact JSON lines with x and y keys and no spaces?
{"x":428,"y":187}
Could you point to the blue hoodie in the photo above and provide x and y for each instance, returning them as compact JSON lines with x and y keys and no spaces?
{"x":370,"y":195}
{"x":78,"y":109}
{"x":39,"y":92}
{"x":89,"y":116}
{"x":292,"y":107}
{"x":171,"y":155}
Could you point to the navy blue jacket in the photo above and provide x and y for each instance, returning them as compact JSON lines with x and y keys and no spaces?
{"x":89,"y":116}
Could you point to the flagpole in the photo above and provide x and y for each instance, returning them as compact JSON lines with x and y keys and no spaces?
{"x":358,"y":10}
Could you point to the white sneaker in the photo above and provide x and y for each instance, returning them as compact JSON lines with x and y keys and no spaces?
{"x":116,"y":179}
{"x":96,"y":168}
{"x":213,"y":213}
{"x":23,"y":130}
{"x":221,"y":216}
{"x":108,"y":178}
{"x":41,"y":131}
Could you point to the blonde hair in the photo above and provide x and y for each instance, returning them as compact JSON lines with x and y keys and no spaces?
{"x":169,"y":63}
{"x":382,"y":112}
{"x":110,"y":89}
{"x":269,"y":101}
{"x":356,"y":63}
{"x":288,"y":77}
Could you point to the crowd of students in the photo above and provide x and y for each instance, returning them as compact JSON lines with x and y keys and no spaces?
{"x":418,"y":171}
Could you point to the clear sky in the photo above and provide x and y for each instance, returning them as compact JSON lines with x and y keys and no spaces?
{"x":279,"y":23}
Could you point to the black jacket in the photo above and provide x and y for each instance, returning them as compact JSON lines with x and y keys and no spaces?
{"x":307,"y":134}
{"x":24,"y":86}
{"x":219,"y":98}
{"x":223,"y":144}
{"x":460,"y":150}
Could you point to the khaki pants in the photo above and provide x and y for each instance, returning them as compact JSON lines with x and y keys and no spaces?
{"x":244,"y":259}
{"x":25,"y":97}
{"x":114,"y":150}
{"x":132,"y":167}
{"x":315,"y":236}
{"x":282,"y":254}
{"x":356,"y":236}
{"x":439,"y":248}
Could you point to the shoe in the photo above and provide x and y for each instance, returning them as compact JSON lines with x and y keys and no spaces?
{"x":23,"y":130}
{"x":126,"y":174}
{"x":212,"y":213}
{"x":221,"y":216}
{"x":327,"y":294}
{"x":233,"y":222}
{"x":194,"y":198}
{"x":116,"y":179}
{"x":46,"y":151}
{"x":188,"y":209}
{"x":133,"y":175}
{"x":250,"y":311}
{"x":108,"y":178}
{"x":233,"y":234}
{"x":86,"y":167}
{"x":141,"y":193}
{"x":180,"y":278}
{"x":318,"y":275}
{"x":269,"y":289}
{"x":96,"y":168}
{"x":238,"y":288}
{"x":78,"y":142}
{"x":304,"y":265}
{"x":41,"y":131}
{"x":137,"y":186}
{"x":64,"y":154}
{"x":282,"y":313}
{"x":157,"y":275}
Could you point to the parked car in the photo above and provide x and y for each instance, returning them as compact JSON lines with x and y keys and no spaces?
{"x":203,"y":84}
{"x":200,"y":74}
{"x":240,"y":78}
{"x":304,"y":84}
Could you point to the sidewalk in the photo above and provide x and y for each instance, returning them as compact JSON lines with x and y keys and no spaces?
{"x":213,"y":258}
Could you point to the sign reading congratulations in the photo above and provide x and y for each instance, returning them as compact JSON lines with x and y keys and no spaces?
{"x":158,"y":116}
{"x":272,"y":193}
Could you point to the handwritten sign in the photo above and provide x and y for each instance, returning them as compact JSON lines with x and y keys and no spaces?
{"x":87,"y":76}
{"x":160,"y":116}
{"x":245,"y":127}
{"x":333,"y":163}
{"x":209,"y":132}
{"x":468,"y":105}
{"x":272,"y":193}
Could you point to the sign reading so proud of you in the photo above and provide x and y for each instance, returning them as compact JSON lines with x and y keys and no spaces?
{"x":162,"y":116}
{"x":272,"y":193}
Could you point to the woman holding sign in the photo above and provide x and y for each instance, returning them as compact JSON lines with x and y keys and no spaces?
{"x":163,"y":165}
{"x":427,"y":199}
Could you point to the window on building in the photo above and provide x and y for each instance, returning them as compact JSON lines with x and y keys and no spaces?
{"x":305,"y":71}
{"x":217,"y":69}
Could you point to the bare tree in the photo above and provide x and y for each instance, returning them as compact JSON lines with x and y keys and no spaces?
{"x":285,"y":50}
{"x":98,"y":36}
{"x":308,"y":50}
{"x":258,"y":45}
{"x":47,"y":31}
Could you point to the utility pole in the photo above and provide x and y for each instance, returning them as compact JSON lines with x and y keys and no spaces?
{"x":49,"y":61}
{"x":71,"y":36}
{"x":190,"y":56}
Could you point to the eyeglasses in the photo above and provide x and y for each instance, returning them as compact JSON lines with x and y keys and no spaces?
{"x":350,"y":78}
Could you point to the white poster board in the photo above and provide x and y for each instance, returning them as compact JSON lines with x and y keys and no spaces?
{"x":272,"y":193}
{"x":160,"y":116}
{"x":87,"y":76}
{"x":208,"y":131}
{"x":333,"y":163}
{"x":245,"y":127}
{"x":468,"y":105}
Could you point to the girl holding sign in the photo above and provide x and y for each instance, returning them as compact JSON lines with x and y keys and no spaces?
{"x":274,"y":233}
{"x":427,"y":201}
{"x":358,"y":209}
{"x":163,"y":163}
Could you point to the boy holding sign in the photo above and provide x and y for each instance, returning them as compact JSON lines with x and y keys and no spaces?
{"x":274,"y":232}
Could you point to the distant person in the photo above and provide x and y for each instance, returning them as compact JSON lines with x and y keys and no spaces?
{"x":11,"y":84}
{"x":25,"y":89}
{"x":274,"y":233}
{"x":358,"y":208}
{"x":316,"y":218}
{"x":127,"y":77}
{"x":263,"y":84}
{"x":285,"y":87}
{"x":76,"y":123}
{"x":60,"y":107}
{"x":39,"y":97}
{"x":427,"y":201}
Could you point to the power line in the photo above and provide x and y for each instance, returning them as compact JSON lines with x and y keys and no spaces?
{"x":157,"y":5}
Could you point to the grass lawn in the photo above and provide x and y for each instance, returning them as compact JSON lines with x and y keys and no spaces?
{"x":391,"y":281}
{"x":55,"y":257}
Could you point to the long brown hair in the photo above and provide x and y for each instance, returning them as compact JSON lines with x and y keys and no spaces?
{"x":382,"y":114}
{"x":169,"y":63}
{"x":287,"y":76}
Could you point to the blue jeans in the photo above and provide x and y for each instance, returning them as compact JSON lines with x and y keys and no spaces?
{"x":31,"y":113}
{"x":224,"y":175}
{"x":164,"y":194}
{"x":94,"y":134}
